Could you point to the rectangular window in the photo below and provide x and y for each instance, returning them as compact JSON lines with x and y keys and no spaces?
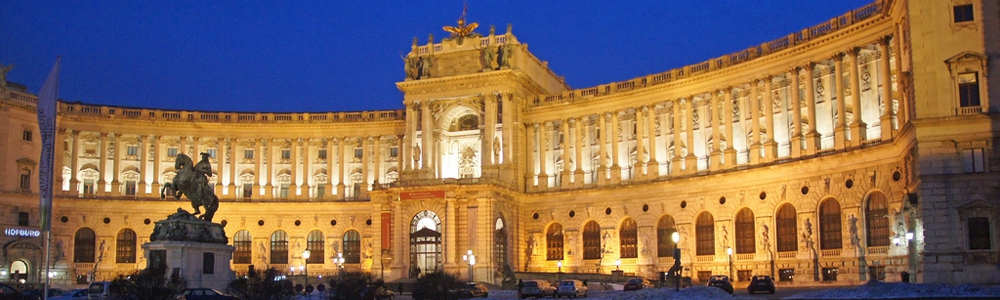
{"x":26,"y":135}
{"x":247,"y":190}
{"x":22,"y":218}
{"x":963,"y":13}
{"x":830,"y":274}
{"x":393,"y":151}
{"x":876,"y":273}
{"x":744,"y":275}
{"x":973,"y":160}
{"x":208,"y":263}
{"x":132,"y":150}
{"x":25,"y":182}
{"x":320,"y":190}
{"x":211,"y":152}
{"x":88,"y":186}
{"x":130,"y":188}
{"x":321,"y":154}
{"x":286,"y":154}
{"x":247,"y":154}
{"x":979,"y":234}
{"x":786,"y":274}
{"x":171,"y":151}
{"x":284,"y":191}
{"x":359,"y":153}
{"x":704,"y":276}
{"x":968,"y":89}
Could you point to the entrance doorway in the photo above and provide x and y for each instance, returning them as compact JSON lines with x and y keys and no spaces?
{"x":19,"y":271}
{"x":425,"y":243}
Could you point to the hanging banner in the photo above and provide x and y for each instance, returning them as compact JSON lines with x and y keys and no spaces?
{"x":416,"y":195}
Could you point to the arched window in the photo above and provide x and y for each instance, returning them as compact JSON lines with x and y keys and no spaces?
{"x":125,"y":247}
{"x":877,"y":220}
{"x":745,"y":242}
{"x":279,"y":247}
{"x":628,"y":239}
{"x":787,"y":228}
{"x":244,"y":247}
{"x":314,"y":243}
{"x":352,"y":247}
{"x":664,"y":242}
{"x":591,"y":240}
{"x":500,"y":243}
{"x":705,"y":231}
{"x":554,"y":242}
{"x":84,"y":243}
{"x":829,"y":225}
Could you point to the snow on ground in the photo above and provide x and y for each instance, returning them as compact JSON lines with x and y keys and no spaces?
{"x":692,"y":293}
{"x":890,"y":290}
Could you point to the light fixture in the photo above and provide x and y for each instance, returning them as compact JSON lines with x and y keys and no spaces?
{"x":895,"y":241}
{"x":729,"y":251}
{"x":676,"y":237}
{"x":909,"y":236}
{"x":618,"y":264}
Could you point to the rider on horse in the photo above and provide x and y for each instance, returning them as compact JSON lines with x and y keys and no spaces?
{"x":202,"y":171}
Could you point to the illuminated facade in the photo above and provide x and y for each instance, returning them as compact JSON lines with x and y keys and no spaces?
{"x":863,"y":146}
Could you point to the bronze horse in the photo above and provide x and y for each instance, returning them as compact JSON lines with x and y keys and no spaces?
{"x":193,"y":184}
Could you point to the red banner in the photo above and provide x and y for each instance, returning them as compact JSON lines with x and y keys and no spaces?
{"x":437,"y":194}
{"x":386,"y":231}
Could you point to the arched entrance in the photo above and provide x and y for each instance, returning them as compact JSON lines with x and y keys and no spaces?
{"x":19,"y":271}
{"x":425,"y":243}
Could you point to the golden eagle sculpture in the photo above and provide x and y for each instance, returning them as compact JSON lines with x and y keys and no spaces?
{"x":463,"y":29}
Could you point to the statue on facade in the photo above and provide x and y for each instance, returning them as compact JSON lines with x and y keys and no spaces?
{"x":192,"y":181}
{"x":505,"y":55}
{"x":489,"y":58}
{"x":3,"y":74}
{"x":423,"y":67}
{"x":411,"y":67}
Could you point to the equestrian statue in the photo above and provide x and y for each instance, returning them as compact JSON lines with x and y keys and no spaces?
{"x":192,"y":181}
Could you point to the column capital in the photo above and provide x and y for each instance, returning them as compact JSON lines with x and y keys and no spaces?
{"x":838,"y":57}
{"x":808,"y":66}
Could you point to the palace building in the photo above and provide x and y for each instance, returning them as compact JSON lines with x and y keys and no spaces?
{"x":860,"y":148}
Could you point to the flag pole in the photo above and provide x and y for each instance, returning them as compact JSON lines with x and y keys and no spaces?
{"x":46,"y":108}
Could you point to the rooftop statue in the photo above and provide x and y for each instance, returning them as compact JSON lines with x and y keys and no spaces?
{"x":192,"y":181}
{"x":463,"y":29}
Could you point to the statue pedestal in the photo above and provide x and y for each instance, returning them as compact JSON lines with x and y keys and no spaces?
{"x":193,"y":248}
{"x":202,"y":265}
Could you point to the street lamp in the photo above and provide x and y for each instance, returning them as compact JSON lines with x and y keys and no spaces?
{"x":559,"y":265}
{"x":729,"y":252}
{"x":339,"y":260}
{"x":676,"y":237}
{"x":305,"y":265}
{"x":618,"y":265}
{"x":471,"y":259}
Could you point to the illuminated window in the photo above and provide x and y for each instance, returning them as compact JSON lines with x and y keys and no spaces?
{"x":787,"y":229}
{"x":352,"y":247}
{"x":591,"y":241}
{"x":664,"y":243}
{"x":554,"y":242}
{"x":244,"y":247}
{"x":877,"y":220}
{"x":629,"y":239}
{"x":125,"y":246}
{"x":314,"y":243}
{"x":279,"y":247}
{"x":829,"y":225}
{"x":705,"y":232}
{"x":745,"y":232}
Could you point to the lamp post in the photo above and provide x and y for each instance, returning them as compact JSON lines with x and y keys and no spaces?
{"x":676,"y":237}
{"x":305,"y":265}
{"x":339,"y":261}
{"x":559,"y":265}
{"x":471,"y":259}
{"x":618,"y":265}
{"x":729,"y":252}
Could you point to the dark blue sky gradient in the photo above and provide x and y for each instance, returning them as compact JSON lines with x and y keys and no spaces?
{"x":317,"y":56}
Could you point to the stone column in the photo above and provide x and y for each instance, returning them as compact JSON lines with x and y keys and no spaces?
{"x":376,"y":159}
{"x":102,"y":165}
{"x":489,"y":130}
{"x":715,"y":155}
{"x":530,"y":152}
{"x":427,"y":137}
{"x":411,"y":129}
{"x":602,"y":170}
{"x":652,"y":165}
{"x":730,"y":152}
{"x":233,"y":149}
{"x":451,"y":234}
{"x":899,"y":94}
{"x":858,"y":127}
{"x":616,"y":169}
{"x":258,"y":157}
{"x":588,"y":152}
{"x":116,"y":165}
{"x":578,"y":149}
{"x":677,"y":164}
{"x":293,"y":185}
{"x":331,"y":153}
{"x":306,"y":170}
{"x":341,"y":162}
{"x":143,"y":150}
{"x":755,"y":145}
{"x":690,"y":161}
{"x":271,"y":174}
{"x":220,"y":158}
{"x":812,"y":136}
{"x":796,"y":135}
{"x":770,"y":146}
{"x":508,"y":122}
{"x":840,"y":130}
{"x":156,"y":156}
{"x":886,"y":77}
{"x":565,"y":142}
{"x":544,"y":131}
{"x":639,"y":168}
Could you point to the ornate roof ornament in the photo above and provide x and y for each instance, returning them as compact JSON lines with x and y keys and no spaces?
{"x":463,"y":29}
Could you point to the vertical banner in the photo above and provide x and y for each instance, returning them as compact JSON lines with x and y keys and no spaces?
{"x":386,"y":232}
{"x":473,"y":221}
{"x":47,"y":127}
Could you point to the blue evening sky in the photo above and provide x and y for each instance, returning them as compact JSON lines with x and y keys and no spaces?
{"x":317,"y":56}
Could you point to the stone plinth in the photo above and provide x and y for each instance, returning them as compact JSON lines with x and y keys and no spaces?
{"x":203,"y":265}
